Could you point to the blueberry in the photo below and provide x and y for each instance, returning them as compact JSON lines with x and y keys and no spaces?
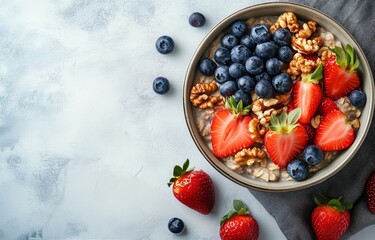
{"x":246,"y":84}
{"x":298,"y":170}
{"x":248,"y":42}
{"x":282,"y":83}
{"x":357,"y":98}
{"x":207,"y":66}
{"x":176,"y":225}
{"x":264,"y":89}
{"x":260,"y":33}
{"x":222,"y":56}
{"x":312,"y":155}
{"x":245,"y":97}
{"x":263,"y":76}
{"x":228,"y":88}
{"x":254,"y":65}
{"x":237,"y":70}
{"x":161,"y":85}
{"x":197,"y":19}
{"x":240,"y":54}
{"x":222,"y":74}
{"x":229,"y":41}
{"x":282,"y":37}
{"x":273,"y":66}
{"x":266,"y":50}
{"x":285,"y":54}
{"x":239,"y":28}
{"x":164,"y":44}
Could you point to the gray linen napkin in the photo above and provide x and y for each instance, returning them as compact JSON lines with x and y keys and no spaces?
{"x":292,"y":210}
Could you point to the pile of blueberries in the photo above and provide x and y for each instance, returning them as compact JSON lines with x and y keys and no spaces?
{"x":251,"y":61}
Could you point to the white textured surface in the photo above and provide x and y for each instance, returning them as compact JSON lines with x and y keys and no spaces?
{"x":86,"y":145}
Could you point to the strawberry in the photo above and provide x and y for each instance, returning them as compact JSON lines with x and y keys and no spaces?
{"x":229,"y":129}
{"x":239,"y":224}
{"x":312,"y":57}
{"x":290,"y":107}
{"x":340,"y":75}
{"x":310,"y":132}
{"x":307,"y":94}
{"x":331,"y":218}
{"x":326,"y":106}
{"x":334,"y":133}
{"x":370,"y":193}
{"x":193,"y":188}
{"x":285,"y":139}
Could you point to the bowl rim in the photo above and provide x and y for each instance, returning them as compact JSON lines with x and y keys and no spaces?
{"x":190,"y":73}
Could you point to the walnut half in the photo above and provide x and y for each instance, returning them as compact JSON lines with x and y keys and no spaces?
{"x":306,"y":46}
{"x":286,"y":20}
{"x":200,"y":95}
{"x":251,"y":156}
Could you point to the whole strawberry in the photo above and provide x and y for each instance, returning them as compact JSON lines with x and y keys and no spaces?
{"x":193,"y":188}
{"x":370,"y":193}
{"x":331,"y":218}
{"x":239,"y":224}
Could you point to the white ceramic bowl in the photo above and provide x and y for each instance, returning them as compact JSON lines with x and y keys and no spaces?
{"x":303,"y":13}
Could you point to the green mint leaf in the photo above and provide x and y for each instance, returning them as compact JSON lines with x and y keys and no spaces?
{"x":186,"y":165}
{"x":293,"y":116}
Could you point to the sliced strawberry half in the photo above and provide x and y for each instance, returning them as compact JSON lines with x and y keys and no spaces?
{"x":327,"y":105}
{"x":340,"y":75}
{"x":334,"y":132}
{"x":285,"y":139}
{"x":229,"y":129}
{"x":307,"y":94}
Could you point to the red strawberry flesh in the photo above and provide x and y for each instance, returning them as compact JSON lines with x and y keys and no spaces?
{"x":334,"y":133}
{"x":229,"y":134}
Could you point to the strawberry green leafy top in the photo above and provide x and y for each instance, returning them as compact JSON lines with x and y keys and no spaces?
{"x":347,"y":59}
{"x":285,"y":123}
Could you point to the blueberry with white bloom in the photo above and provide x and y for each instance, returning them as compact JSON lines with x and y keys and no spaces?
{"x":313,"y":155}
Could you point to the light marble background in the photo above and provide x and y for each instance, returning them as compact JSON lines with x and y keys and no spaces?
{"x":86,"y":145}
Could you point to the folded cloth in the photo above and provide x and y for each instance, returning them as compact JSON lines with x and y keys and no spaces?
{"x":292,"y":210}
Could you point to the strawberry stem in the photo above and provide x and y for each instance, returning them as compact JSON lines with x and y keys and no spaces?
{"x":285,"y":123}
{"x":336,"y":203}
{"x":235,"y":108}
{"x":179,"y":171}
{"x":315,"y":76}
{"x":239,"y":209}
{"x":346,"y":59}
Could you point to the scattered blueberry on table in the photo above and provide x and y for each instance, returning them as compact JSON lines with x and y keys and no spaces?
{"x":176,"y":225}
{"x":197,"y":19}
{"x":161,"y":85}
{"x":164,"y":44}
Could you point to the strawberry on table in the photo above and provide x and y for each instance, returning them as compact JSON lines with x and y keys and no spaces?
{"x":193,"y":188}
{"x":340,"y":72}
{"x":285,"y":139}
{"x":370,"y":193}
{"x":229,"y":129}
{"x":238,"y":224}
{"x":307,"y":94}
{"x":331,"y":218}
{"x":334,"y":132}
